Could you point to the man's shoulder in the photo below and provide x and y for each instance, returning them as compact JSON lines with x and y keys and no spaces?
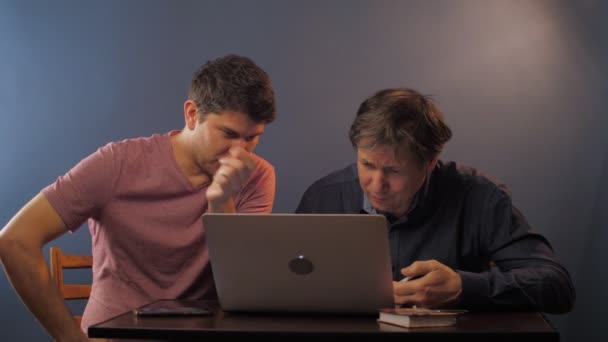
{"x":151,"y":151}
{"x":452,"y":173}
{"x":263,"y":170}
{"x":261,"y":164}
{"x":133,"y":155}
{"x":337,"y":192}
{"x":138,"y":144}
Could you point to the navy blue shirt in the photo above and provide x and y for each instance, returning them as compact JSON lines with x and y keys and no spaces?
{"x":467,"y":222}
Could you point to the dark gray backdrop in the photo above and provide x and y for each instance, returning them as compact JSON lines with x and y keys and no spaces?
{"x":521,"y":84}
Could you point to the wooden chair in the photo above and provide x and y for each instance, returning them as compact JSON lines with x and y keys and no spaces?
{"x":60,"y":261}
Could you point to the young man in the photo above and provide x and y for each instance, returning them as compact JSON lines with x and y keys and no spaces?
{"x":144,"y":198}
{"x":454,"y":235}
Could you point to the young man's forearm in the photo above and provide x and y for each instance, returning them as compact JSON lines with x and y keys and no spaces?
{"x":27,"y":270}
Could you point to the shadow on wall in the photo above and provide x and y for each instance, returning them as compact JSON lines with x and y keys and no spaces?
{"x":588,"y":320}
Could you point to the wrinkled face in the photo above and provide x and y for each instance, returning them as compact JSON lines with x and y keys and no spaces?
{"x":214,"y":136}
{"x":389,"y":181}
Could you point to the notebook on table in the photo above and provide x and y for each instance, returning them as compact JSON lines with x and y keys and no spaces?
{"x":325,"y":263}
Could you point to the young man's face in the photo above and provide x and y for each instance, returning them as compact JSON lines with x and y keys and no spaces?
{"x":219,"y":132}
{"x":389,"y":181}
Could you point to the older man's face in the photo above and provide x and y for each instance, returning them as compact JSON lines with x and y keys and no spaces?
{"x":389,"y":181}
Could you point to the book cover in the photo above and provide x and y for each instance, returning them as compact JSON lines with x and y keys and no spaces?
{"x":418,"y":317}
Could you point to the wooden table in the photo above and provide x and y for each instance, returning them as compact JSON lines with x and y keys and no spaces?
{"x":223,"y":326}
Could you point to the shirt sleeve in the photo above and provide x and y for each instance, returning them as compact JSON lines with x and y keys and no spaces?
{"x":524,"y":272}
{"x":82,"y":191}
{"x":258,"y":195}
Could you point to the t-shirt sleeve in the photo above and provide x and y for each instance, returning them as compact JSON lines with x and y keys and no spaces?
{"x":83,"y":190}
{"x":258,"y":195}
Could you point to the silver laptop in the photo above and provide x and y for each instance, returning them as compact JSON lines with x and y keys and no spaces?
{"x":326,"y":263}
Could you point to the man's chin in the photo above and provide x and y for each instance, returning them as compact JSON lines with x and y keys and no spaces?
{"x":214,"y":165}
{"x":383,"y":208}
{"x":380,"y":207}
{"x":210,"y":168}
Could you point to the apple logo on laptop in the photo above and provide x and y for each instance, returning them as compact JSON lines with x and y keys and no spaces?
{"x":300,"y":265}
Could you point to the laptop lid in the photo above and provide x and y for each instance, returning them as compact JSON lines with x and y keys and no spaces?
{"x":332,"y":263}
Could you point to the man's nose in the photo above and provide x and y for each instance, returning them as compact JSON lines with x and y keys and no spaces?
{"x":379,"y":181}
{"x":240,"y":143}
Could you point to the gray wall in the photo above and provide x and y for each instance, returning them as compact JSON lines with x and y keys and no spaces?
{"x":520,"y":82}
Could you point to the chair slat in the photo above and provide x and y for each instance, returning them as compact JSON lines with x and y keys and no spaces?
{"x":76,"y":291}
{"x":76,"y":261}
{"x":60,"y":261}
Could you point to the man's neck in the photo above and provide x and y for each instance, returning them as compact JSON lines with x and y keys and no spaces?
{"x":183,"y":157}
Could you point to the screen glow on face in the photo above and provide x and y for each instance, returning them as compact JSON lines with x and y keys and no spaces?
{"x":389,"y":181}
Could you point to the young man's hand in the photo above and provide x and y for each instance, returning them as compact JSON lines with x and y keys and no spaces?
{"x":235,"y":169}
{"x":432,"y":285}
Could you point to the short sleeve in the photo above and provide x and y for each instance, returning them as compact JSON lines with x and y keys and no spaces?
{"x":258,"y":195}
{"x":83,"y":190}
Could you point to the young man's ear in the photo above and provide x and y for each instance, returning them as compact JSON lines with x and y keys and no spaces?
{"x":190,"y":114}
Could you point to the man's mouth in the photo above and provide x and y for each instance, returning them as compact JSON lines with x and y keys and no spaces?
{"x":379,"y":198}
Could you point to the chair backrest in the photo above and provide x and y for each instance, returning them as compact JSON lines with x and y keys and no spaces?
{"x":59,"y":262}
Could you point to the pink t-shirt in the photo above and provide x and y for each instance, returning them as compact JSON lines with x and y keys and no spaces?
{"x":145,"y":220}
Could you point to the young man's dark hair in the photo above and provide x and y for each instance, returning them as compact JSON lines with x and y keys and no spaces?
{"x":401,"y":118}
{"x":233,"y":83}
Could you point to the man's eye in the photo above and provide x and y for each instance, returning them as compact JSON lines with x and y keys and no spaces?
{"x":249,"y":139}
